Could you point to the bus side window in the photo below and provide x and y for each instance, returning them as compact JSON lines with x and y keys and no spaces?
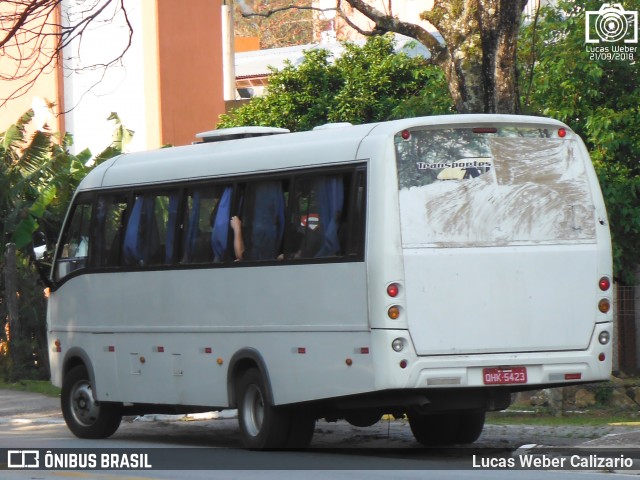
{"x":75,"y":242}
{"x":355,"y":237}
{"x":150,"y":234}
{"x":206,"y":217}
{"x":262,"y":216}
{"x":110,"y":215}
{"x":317,"y":217}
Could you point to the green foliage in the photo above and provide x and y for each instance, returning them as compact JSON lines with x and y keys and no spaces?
{"x":366,"y":84}
{"x":38,"y":176}
{"x":600,"y":99}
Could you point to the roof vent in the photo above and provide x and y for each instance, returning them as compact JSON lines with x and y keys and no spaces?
{"x":328,"y":126}
{"x":237,"y":133}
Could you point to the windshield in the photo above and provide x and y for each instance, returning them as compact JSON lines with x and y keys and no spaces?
{"x":491,"y":185}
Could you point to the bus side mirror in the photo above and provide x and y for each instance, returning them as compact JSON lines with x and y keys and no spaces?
{"x":39,"y":243}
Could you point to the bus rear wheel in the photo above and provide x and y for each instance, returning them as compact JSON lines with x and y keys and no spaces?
{"x":434,"y":429}
{"x":83,"y":414}
{"x":301,"y":430}
{"x":447,"y":428}
{"x":471,"y":426}
{"x":262,"y":425}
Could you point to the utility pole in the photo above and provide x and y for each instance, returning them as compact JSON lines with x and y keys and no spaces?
{"x":228,"y":51}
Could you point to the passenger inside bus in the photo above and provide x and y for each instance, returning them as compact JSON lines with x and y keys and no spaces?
{"x":238,"y":241}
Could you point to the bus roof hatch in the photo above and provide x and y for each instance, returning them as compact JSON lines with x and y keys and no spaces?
{"x":237,"y":133}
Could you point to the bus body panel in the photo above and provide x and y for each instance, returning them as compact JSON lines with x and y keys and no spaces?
{"x":186,"y":314}
{"x":501,"y":299}
{"x":232,"y":157}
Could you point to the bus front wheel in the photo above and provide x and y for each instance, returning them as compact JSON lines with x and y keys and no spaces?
{"x":84,"y":415}
{"x":262,"y":424}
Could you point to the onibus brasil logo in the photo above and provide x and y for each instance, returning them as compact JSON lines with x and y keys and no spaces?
{"x":611,"y":33}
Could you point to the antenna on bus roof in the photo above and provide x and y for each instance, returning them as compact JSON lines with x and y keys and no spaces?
{"x":236,"y":133}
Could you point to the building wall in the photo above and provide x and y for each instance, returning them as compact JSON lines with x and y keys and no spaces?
{"x":43,"y":91}
{"x":167,"y":86}
{"x":190,"y":68}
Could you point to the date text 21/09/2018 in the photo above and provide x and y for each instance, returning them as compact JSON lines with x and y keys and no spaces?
{"x":613,"y":52}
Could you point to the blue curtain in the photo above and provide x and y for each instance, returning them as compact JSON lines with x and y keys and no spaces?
{"x":220,"y":231}
{"x":141,"y":238}
{"x":131,"y":236}
{"x":330,"y":197}
{"x":268,"y":221}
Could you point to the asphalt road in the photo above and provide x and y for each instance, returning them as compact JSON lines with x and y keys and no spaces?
{"x":32,"y":421}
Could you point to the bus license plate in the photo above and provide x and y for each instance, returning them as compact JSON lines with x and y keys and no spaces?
{"x":503,"y":376}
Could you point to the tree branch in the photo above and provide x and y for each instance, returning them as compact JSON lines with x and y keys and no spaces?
{"x":33,"y":35}
{"x":268,"y":13}
{"x":387,"y":23}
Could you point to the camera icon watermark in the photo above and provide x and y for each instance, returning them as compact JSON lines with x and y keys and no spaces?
{"x":612,"y":23}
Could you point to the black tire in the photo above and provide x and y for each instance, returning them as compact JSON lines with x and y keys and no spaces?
{"x":471,"y":425}
{"x":301,"y":431}
{"x":262,"y":425}
{"x":84,"y":415}
{"x":434,"y":430}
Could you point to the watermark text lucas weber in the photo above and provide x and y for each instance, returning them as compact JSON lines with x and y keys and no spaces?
{"x":612,"y":52}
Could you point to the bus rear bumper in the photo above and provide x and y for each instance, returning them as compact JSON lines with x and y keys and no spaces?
{"x":518,"y":371}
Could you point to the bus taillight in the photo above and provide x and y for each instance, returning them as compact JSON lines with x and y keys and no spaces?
{"x":604,"y":284}
{"x":393,"y":289}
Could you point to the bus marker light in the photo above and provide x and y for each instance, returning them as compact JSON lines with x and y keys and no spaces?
{"x":572,"y":376}
{"x":393,"y":290}
{"x":219,"y":361}
{"x":364,"y":350}
{"x":57,"y":346}
{"x":143,"y":360}
{"x":602,"y":357}
{"x":349,"y":362}
{"x":604,"y":305}
{"x":406,"y":134}
{"x":562,"y":132}
{"x":302,"y":350}
{"x":393,"y":312}
{"x":160,"y":349}
{"x":403,"y":363}
{"x":111,"y":348}
{"x":208,"y":350}
{"x":604,"y":284}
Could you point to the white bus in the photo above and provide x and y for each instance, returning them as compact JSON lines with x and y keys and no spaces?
{"x":427,"y":267}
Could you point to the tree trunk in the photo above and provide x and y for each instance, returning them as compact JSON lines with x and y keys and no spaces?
{"x":479,"y":56}
{"x":480,"y":61}
{"x":11,"y":297}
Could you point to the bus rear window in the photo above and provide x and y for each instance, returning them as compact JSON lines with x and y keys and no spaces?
{"x":470,"y":186}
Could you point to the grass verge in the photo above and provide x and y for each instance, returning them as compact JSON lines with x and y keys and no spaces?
{"x":35,"y":386}
{"x":587,"y":418}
